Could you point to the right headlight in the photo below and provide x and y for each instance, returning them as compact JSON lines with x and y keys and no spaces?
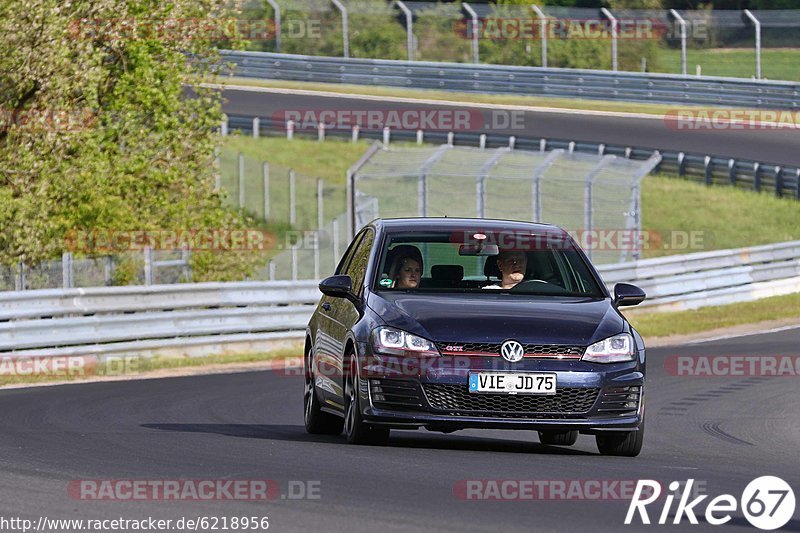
{"x":616,"y":349}
{"x":393,"y":341}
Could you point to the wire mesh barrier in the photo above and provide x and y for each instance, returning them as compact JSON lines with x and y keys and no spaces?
{"x":712,"y":42}
{"x":585,"y":194}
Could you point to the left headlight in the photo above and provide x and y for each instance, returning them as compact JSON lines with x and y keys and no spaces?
{"x":616,"y":349}
{"x":391,"y":341}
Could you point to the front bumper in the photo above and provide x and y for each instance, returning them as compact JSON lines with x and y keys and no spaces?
{"x":592,"y":397}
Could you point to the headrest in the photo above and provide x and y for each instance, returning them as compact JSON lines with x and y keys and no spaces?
{"x":447,"y":272}
{"x":490,"y":268}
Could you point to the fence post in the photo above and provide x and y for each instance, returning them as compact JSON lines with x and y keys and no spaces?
{"x":223,"y":128}
{"x":294,"y":261}
{"x":474,"y":17}
{"x":292,"y":198}
{"x":543,"y":29}
{"x":345,"y":38}
{"x":613,"y":20}
{"x":335,"y":231}
{"x":218,"y":173}
{"x":20,"y":278}
{"x":316,"y":254}
{"x":271,"y":269}
{"x":266,"y":191}
{"x":66,"y":270}
{"x":108,"y":270}
{"x":683,"y":39}
{"x":757,"y":176}
{"x":147,"y":252}
{"x":757,"y":25}
{"x":241,"y":180}
{"x":409,"y":29}
{"x":320,"y":212}
{"x":277,"y":9}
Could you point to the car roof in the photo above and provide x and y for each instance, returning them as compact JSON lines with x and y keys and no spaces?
{"x":398,"y":225}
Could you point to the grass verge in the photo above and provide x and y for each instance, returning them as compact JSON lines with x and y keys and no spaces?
{"x":655,"y":324}
{"x":127,"y":367}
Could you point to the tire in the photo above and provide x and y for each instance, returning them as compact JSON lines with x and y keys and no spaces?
{"x":355,"y":429}
{"x":624,"y":443}
{"x":558,"y":438}
{"x":317,"y":421}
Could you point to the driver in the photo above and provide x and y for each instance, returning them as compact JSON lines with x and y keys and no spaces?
{"x":512,"y":266}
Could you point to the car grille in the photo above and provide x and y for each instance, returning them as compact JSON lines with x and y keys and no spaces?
{"x":457,"y":400}
{"x":493,"y":348}
{"x":620,"y":400}
{"x":395,"y":394}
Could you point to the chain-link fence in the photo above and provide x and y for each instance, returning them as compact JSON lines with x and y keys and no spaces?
{"x":708,"y":42}
{"x":588,"y":195}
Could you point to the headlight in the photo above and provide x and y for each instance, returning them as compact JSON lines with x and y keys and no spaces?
{"x":611,"y":350}
{"x":392,"y":341}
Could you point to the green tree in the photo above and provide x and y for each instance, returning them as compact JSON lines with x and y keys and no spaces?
{"x":99,"y":129}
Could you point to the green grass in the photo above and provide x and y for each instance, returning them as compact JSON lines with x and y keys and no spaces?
{"x":143,"y":366}
{"x":776,"y":64}
{"x":655,"y":324}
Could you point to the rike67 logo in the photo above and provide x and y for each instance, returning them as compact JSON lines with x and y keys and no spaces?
{"x":767,"y":503}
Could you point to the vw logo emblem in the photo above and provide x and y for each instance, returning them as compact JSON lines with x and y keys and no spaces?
{"x":512,"y":351}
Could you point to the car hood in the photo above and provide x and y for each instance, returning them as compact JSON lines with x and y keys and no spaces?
{"x":497,"y":317}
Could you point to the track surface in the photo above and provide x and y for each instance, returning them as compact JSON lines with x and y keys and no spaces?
{"x":723,"y":432}
{"x":771,"y":146}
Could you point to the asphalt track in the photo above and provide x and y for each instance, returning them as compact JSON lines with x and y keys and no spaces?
{"x":766,"y":145}
{"x":722,"y":432}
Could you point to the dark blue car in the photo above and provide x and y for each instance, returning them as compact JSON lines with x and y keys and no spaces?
{"x":449,"y":324}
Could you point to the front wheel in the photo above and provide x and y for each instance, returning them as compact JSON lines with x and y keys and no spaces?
{"x":355,"y":429}
{"x":625,"y":444}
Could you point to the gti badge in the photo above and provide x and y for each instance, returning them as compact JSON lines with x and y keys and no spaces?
{"x":512,"y":351}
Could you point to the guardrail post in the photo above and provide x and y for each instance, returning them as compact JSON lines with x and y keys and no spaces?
{"x":732,"y":171}
{"x":757,"y":176}
{"x":628,"y":151}
{"x":707,"y":169}
{"x":147,"y":252}
{"x":354,"y":133}
{"x":321,"y":132}
{"x":345,"y":38}
{"x":614,"y":32}
{"x":571,"y":147}
{"x":277,"y":10}
{"x":409,"y":29}
{"x":420,"y":135}
{"x":543,"y":29}
{"x":474,"y":17}
{"x":450,"y":137}
{"x":256,"y":127}
{"x":482,"y":141}
{"x":266,"y":190}
{"x":289,"y":130}
{"x":241,"y":180}
{"x":542,"y":145}
{"x":292,"y":210}
{"x":681,"y":163}
{"x":223,"y":127}
{"x":66,"y":270}
{"x":512,"y":141}
{"x":797,"y":184}
{"x":601,"y":149}
{"x":386,"y":135}
{"x":683,"y":39}
{"x":757,"y":25}
{"x":778,"y":181}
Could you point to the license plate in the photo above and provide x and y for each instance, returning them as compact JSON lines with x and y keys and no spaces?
{"x":512,"y":382}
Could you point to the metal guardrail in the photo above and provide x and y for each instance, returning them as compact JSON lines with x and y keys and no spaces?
{"x":784,"y":181}
{"x":115,"y":320}
{"x":503,"y":79}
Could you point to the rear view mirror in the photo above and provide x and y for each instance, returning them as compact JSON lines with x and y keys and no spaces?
{"x":478,"y":250}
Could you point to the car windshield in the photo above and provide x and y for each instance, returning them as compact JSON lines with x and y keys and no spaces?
{"x":482,"y":262}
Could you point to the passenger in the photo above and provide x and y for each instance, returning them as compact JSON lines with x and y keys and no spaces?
{"x":512,"y":266}
{"x":406,"y":269}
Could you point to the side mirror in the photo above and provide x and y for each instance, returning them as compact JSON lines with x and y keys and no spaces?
{"x":627,"y":294}
{"x":337,"y":286}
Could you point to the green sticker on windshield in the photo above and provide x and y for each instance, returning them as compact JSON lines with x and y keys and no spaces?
{"x":385,"y":282}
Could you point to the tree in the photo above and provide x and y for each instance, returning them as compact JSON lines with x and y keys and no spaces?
{"x":99,"y":128}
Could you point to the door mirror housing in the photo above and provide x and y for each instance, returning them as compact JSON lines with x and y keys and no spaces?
{"x":338,"y":287}
{"x":627,"y":294}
